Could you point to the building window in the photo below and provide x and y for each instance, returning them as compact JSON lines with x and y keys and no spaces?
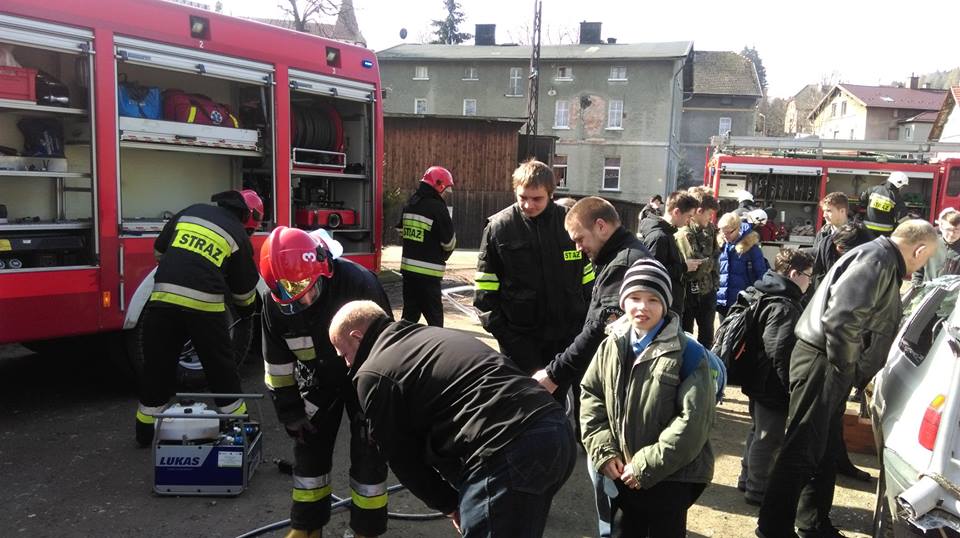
{"x":618,"y":72}
{"x":469,"y":107}
{"x":896,"y":113}
{"x":611,"y":174}
{"x":833,"y":110}
{"x":561,"y":115}
{"x":516,"y":82}
{"x":843,"y":108}
{"x":851,"y":134}
{"x":564,"y":73}
{"x":470,"y":73}
{"x":836,"y":135}
{"x":615,"y":115}
{"x":560,"y":170}
{"x":421,"y":73}
{"x":908,"y":132}
{"x":419,"y":106}
{"x":726,"y":125}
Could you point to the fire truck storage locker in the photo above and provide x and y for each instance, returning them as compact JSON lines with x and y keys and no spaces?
{"x":332,"y":165}
{"x":854,"y":179}
{"x":168,"y":163}
{"x":48,"y":206}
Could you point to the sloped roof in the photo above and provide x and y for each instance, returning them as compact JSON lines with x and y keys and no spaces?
{"x":724,"y":73}
{"x":808,"y":97}
{"x":636,"y":51}
{"x":890,"y":97}
{"x":924,"y":117}
{"x":946,"y":108}
{"x":344,"y":29}
{"x":885,"y":97}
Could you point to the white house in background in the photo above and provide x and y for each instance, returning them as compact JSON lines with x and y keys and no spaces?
{"x":946,"y":128}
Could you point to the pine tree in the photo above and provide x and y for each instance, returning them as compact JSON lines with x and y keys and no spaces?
{"x":447,"y":30}
{"x":752,"y":54}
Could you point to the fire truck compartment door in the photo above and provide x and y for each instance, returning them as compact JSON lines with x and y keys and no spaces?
{"x":136,"y":51}
{"x":771,"y":169}
{"x":879,"y":173}
{"x":31,"y":33}
{"x":332,"y":87}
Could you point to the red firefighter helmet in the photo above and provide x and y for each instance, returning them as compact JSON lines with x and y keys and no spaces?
{"x":255,"y":206}
{"x":293,"y":263}
{"x":439,"y":178}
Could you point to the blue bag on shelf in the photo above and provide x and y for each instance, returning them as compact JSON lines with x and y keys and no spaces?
{"x":136,"y":101}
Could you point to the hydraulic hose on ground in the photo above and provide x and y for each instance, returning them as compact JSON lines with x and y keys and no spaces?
{"x":341,"y":504}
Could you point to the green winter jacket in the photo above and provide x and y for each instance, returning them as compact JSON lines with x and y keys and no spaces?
{"x":696,"y":242}
{"x":641,"y":410}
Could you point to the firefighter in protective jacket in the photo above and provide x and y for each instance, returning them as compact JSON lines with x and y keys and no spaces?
{"x":428,"y":241}
{"x":205,"y":261}
{"x":532,"y":284}
{"x":885,"y":207}
{"x":309,"y":384}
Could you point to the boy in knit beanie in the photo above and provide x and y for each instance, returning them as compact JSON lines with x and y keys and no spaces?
{"x":660,"y":460}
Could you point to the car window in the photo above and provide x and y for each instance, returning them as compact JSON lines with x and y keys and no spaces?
{"x":927,"y":309}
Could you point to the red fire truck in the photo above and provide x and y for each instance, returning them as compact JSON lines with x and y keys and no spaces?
{"x":94,"y":157}
{"x":792,"y":175}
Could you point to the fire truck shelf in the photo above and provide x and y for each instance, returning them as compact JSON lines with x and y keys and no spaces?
{"x":324,"y":173}
{"x":802,"y":202}
{"x":14,"y":104}
{"x":348,"y":230}
{"x":190,"y":149}
{"x":34,"y":226}
{"x":26,"y":173}
{"x":39,"y":269}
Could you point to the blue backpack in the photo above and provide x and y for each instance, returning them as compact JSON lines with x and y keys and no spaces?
{"x":693,"y":353}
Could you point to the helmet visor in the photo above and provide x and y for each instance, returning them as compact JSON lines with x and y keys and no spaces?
{"x":309,"y":296}
{"x":293,"y":288}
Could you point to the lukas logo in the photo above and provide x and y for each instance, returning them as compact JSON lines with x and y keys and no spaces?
{"x":180,"y":461}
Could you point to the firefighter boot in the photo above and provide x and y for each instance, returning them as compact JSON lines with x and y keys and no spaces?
{"x":144,"y":434}
{"x":301,"y":533}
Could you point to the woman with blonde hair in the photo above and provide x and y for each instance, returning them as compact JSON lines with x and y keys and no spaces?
{"x":741,"y":262}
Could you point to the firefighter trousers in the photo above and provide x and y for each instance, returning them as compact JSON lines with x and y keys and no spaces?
{"x":165,"y":331}
{"x":314,"y":461}
{"x":421,"y":295}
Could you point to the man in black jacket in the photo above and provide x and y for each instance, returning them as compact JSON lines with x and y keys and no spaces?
{"x":532,"y":283}
{"x":462,"y":428}
{"x":658,"y":234}
{"x":594,"y":226}
{"x":428,"y":241}
{"x":310,"y":386}
{"x":770,"y":341}
{"x":843,"y":337}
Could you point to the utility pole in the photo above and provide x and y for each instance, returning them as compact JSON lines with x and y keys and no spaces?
{"x":534,"y":80}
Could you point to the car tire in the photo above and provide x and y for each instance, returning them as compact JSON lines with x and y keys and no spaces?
{"x":190,"y":376}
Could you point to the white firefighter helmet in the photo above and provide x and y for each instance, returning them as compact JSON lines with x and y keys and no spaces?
{"x":898,"y":180}
{"x":757,"y":217}
{"x":742,"y":195}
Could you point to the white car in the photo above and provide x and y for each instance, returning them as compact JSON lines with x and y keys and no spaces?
{"x":915,"y":405}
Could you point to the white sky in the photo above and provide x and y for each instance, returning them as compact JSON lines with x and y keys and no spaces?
{"x":855,"y":41}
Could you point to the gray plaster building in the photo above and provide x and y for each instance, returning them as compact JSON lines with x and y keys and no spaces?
{"x":726,"y":92}
{"x":614,"y":108}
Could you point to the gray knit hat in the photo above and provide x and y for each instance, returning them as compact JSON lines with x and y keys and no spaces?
{"x":648,"y":275}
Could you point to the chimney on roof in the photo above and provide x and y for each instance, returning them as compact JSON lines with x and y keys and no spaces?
{"x":590,"y":33}
{"x":611,"y":41}
{"x":914,"y":81}
{"x":485,"y":34}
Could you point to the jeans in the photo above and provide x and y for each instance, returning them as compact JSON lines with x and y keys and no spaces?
{"x":509,"y":494}
{"x":657,"y":512}
{"x":763,"y":443}
{"x":601,"y":495}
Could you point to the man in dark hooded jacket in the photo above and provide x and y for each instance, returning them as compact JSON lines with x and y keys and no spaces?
{"x":658,"y":235}
{"x":843,"y":338}
{"x":765,"y":379}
